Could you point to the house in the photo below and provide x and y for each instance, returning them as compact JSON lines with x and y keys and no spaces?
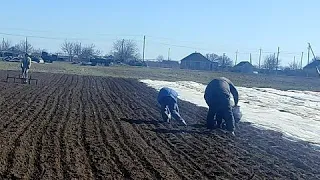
{"x":313,"y":68}
{"x":197,"y":61}
{"x":244,"y":67}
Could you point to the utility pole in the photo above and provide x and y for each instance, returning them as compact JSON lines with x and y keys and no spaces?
{"x":144,"y":46}
{"x":250,"y":59}
{"x":308,"y":53}
{"x":314,"y":56}
{"x":236,"y":57}
{"x":274,"y":55}
{"x":169,"y":54}
{"x":122,"y":46}
{"x":26,"y":44}
{"x":260,"y":51}
{"x":223,"y":63}
{"x":2,"y":44}
{"x":235,"y":63}
{"x":278,"y":58}
{"x":301,"y":60}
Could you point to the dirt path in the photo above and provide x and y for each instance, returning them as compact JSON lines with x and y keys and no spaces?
{"x":108,"y":128}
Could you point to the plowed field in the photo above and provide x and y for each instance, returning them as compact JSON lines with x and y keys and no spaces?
{"x":85,"y":127}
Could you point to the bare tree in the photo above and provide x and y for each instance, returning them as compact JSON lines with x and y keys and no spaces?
{"x":23,"y":47}
{"x":5,"y":45}
{"x":160,"y":58}
{"x":226,"y":61}
{"x":68,"y":47}
{"x":38,"y":52}
{"x":212,"y":57}
{"x":293,"y":65}
{"x":88,"y":52}
{"x":271,"y":62}
{"x":223,"y":61}
{"x":77,"y":49}
{"x":125,"y":50}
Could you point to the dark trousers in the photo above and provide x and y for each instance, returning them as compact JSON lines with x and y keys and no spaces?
{"x":220,"y":109}
{"x":168,"y":105}
{"x":24,"y":72}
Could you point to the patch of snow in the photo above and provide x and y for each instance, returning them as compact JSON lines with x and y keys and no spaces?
{"x":294,"y":113}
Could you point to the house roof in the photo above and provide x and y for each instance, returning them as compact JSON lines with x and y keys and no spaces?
{"x":195,"y":56}
{"x":312,"y":64}
{"x":242,"y":63}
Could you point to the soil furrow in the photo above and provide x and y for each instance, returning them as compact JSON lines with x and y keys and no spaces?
{"x":122,"y":132}
{"x":85,"y":127}
{"x":40,"y":169}
{"x":26,"y":104}
{"x":84,"y":135}
{"x":108,"y":118}
{"x":32,"y":119}
{"x":77,"y":159}
{"x":176,"y":150}
{"x":62,"y":125}
{"x":107,"y":166}
{"x":51,"y":137}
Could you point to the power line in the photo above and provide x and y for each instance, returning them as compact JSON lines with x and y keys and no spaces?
{"x":152,"y":41}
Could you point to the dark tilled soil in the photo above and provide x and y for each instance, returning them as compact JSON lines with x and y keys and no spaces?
{"x":82,"y":127}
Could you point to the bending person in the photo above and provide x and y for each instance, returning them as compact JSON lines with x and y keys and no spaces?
{"x":217,"y":97}
{"x":168,"y":98}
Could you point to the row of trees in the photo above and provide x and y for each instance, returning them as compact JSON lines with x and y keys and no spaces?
{"x":75,"y":49}
{"x":122,"y":51}
{"x":21,"y":47}
{"x":127,"y":50}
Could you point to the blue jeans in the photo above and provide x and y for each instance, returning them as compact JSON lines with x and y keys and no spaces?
{"x":168,"y":105}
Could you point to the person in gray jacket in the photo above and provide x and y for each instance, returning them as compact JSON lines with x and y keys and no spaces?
{"x":25,"y":66}
{"x":168,"y":99}
{"x":217,"y":97}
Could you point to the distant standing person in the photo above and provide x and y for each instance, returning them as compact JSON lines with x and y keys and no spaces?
{"x":25,"y":66}
{"x":168,"y":98}
{"x":217,"y":96}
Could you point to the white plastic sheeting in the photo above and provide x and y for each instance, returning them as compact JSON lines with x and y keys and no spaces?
{"x":294,"y":113}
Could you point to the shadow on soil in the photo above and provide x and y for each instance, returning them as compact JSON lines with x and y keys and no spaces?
{"x":140,"y":121}
{"x":178,"y":131}
{"x":190,"y":129}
